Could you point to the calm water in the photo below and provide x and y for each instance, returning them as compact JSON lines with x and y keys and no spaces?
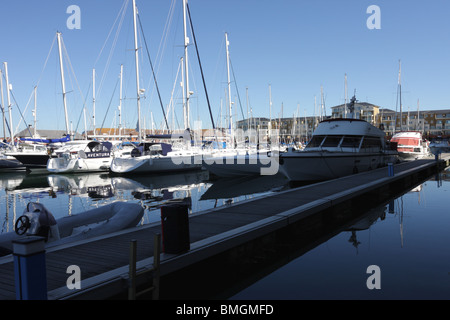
{"x":68,"y":194}
{"x":407,"y":238}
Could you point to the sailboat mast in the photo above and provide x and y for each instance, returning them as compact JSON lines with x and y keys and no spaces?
{"x":322,"y":113}
{"x":34,"y":111}
{"x":186,"y":81}
{"x":345,"y":93}
{"x":85,"y":126}
{"x":400,"y":92}
{"x":137,"y":70}
{"x":120,"y":101}
{"x":418,"y":119}
{"x":93,"y":99}
{"x":3,"y":104}
{"x":62,"y":82}
{"x":8,"y":98}
{"x":270,"y":112}
{"x":248,"y":115}
{"x":229,"y":89}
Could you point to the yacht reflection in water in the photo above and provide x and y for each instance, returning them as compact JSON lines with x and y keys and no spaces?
{"x":93,"y":185}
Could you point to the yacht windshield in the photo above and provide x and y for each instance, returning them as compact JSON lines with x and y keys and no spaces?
{"x":331,"y":141}
{"x":315,"y":142}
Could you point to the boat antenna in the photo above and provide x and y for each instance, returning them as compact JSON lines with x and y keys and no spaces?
{"x":351,"y":106}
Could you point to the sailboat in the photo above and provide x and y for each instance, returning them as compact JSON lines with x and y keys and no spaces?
{"x":95,"y":156}
{"x":234,"y":161}
{"x":152,"y":157}
{"x":36,"y":154}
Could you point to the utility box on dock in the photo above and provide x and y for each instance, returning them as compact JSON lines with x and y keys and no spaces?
{"x":390,"y":169}
{"x":175,"y":228}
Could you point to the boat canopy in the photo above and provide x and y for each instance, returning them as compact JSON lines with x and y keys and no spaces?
{"x":149,"y":148}
{"x":186,"y":135}
{"x":408,"y":141}
{"x":65,"y":139}
{"x":96,"y":146}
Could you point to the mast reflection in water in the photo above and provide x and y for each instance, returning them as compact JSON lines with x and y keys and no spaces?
{"x":407,"y":238}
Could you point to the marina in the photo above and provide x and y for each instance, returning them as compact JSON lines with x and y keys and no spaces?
{"x":165,"y":182}
{"x":217,"y":233}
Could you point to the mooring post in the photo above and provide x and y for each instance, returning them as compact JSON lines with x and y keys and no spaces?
{"x":390,"y":169}
{"x":436,"y":155}
{"x":29,"y":268}
{"x":156,"y":265}
{"x":132,"y":270}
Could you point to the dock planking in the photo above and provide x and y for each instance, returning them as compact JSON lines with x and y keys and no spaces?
{"x":108,"y":256}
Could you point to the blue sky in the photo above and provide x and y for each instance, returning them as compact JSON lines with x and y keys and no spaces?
{"x":294,"y":46}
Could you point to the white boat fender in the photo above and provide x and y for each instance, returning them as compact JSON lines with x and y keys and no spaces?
{"x":38,"y":221}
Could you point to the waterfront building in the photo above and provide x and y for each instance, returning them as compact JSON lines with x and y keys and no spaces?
{"x":432,"y":123}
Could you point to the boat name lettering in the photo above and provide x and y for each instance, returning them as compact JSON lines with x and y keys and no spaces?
{"x":97,"y":154}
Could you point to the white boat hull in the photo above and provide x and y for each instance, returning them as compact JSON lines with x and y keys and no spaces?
{"x":62,"y":165}
{"x":410,"y":156}
{"x":411,"y":145}
{"x":241,"y":165}
{"x":318,"y":166}
{"x":152,"y":164}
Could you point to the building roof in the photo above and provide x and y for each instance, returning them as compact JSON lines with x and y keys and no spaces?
{"x":365,"y":104}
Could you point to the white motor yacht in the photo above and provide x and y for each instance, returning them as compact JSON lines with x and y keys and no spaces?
{"x":411,"y":145}
{"x":338,"y":147}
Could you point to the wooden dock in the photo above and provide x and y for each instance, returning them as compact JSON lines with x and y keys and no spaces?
{"x":104,"y":261}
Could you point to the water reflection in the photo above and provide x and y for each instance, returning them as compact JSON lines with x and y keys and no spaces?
{"x":228,"y":188}
{"x":372,"y":236}
{"x":67,"y":194}
{"x":364,"y":223}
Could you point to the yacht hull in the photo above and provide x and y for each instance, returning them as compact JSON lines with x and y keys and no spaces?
{"x":31,"y":160}
{"x":151,"y":164}
{"x":58,"y":165}
{"x":318,"y":166}
{"x":241,"y":165}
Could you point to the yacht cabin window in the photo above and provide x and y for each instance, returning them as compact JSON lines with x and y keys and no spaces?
{"x":351,"y":142}
{"x":331,"y":141}
{"x":373,"y":143}
{"x":315,"y":142}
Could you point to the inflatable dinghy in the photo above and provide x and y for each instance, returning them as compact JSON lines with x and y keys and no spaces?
{"x":37,"y":220}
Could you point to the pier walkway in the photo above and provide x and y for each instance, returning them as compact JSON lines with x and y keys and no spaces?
{"x":103,"y":261}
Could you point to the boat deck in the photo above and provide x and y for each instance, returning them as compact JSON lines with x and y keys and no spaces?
{"x":103,"y":261}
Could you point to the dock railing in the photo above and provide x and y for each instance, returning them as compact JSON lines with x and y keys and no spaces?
{"x":154,"y":271}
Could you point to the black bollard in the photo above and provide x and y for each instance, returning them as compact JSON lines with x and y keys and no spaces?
{"x":175,"y":228}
